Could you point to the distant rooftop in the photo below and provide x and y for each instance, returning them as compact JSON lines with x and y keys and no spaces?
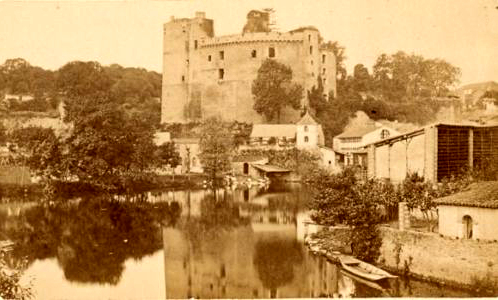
{"x":307,"y":119}
{"x":481,"y":194}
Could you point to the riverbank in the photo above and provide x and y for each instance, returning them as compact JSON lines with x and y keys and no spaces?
{"x":460,"y":264}
{"x":29,"y":191}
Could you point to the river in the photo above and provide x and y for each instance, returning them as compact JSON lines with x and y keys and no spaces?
{"x":243,"y":243}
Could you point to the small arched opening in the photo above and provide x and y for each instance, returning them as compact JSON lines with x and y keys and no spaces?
{"x":246,"y":168}
{"x":467,"y":227}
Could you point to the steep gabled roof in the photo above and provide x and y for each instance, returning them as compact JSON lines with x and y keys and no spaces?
{"x":480,"y":194}
{"x":273,"y":130}
{"x":307,"y":119}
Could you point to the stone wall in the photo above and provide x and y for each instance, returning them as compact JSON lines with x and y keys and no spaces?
{"x":440,"y":258}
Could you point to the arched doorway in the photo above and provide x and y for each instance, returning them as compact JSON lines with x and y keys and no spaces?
{"x":467,"y":227}
{"x":246,"y":168}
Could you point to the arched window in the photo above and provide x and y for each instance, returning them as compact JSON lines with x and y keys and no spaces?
{"x":246,"y":168}
{"x":384,"y":134}
{"x":467,"y":227}
{"x":253,"y":53}
{"x":305,"y":128}
{"x":306,"y":139}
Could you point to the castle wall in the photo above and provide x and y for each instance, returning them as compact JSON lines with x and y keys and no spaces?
{"x":196,"y":74}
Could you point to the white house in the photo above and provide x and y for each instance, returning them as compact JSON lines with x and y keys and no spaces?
{"x":309,"y":133}
{"x":353,"y":140}
{"x":471,"y":214}
{"x":306,"y":134}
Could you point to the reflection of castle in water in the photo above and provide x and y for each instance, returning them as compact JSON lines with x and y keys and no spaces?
{"x":248,"y":251}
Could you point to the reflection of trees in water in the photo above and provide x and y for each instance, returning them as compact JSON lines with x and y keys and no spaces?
{"x":219,"y":215}
{"x":296,"y":194}
{"x":275,"y":260}
{"x":91,"y":238}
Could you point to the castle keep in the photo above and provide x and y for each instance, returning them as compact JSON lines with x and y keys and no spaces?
{"x":205,"y":75}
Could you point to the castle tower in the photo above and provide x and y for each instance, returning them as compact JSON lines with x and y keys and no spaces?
{"x":181,"y":39}
{"x":206,"y":76}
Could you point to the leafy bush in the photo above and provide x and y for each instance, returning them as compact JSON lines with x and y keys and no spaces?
{"x":10,"y":286}
{"x":341,"y":199}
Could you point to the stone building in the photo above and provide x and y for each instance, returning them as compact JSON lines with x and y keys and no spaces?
{"x":205,"y":75}
{"x":471,"y":214}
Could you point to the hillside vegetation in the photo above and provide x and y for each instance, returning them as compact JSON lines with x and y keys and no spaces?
{"x":28,"y":88}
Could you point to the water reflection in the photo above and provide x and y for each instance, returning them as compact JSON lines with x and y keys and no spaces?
{"x":182,"y":244}
{"x":241,"y":245}
{"x":90,"y":239}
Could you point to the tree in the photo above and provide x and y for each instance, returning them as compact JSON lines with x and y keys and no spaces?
{"x":28,"y":138}
{"x":168,"y":155}
{"x":77,"y":79}
{"x":273,"y":90}
{"x":362,"y":79}
{"x":340,"y":199}
{"x":107,"y":148}
{"x":317,"y":101}
{"x":406,"y":77}
{"x":216,"y":147}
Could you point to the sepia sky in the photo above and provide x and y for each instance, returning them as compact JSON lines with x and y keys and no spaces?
{"x":49,"y":34}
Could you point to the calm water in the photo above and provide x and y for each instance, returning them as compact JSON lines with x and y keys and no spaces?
{"x":239,"y":244}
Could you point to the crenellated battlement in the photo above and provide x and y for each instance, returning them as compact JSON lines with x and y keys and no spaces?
{"x":217,"y":71}
{"x":251,"y":38}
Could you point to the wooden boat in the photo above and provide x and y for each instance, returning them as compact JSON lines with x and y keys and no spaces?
{"x":363,"y":269}
{"x":372,"y":284}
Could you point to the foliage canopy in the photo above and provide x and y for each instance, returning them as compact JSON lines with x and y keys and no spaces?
{"x":274,"y":90}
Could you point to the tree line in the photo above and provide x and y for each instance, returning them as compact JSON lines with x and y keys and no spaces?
{"x":403,"y":87}
{"x":135,"y":89}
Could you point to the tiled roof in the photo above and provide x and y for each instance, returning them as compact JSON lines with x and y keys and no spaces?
{"x":481,"y":194}
{"x":273,"y":130}
{"x":307,"y":119}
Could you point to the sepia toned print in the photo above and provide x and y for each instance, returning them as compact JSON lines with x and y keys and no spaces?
{"x":248,"y":149}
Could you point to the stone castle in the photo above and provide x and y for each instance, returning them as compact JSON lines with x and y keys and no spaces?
{"x":205,"y":75}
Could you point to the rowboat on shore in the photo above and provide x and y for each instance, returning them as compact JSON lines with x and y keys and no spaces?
{"x":383,"y":288}
{"x":363,"y":269}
